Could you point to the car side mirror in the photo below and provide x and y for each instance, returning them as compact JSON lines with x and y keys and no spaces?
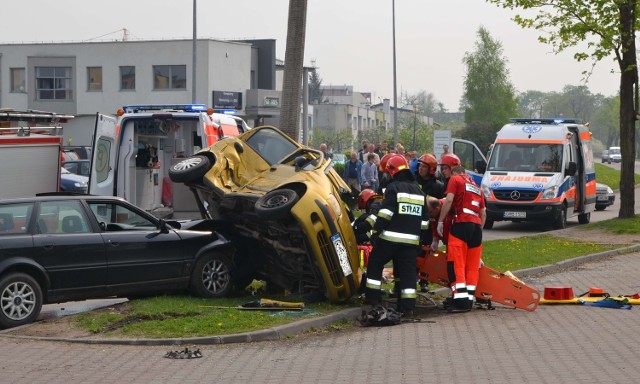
{"x":571,"y":169}
{"x":162,"y":226}
{"x":481,"y":166}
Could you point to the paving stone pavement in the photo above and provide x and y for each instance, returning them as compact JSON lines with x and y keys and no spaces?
{"x":554,"y":344}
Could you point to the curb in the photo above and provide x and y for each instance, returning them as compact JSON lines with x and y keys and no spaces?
{"x":301,"y":326}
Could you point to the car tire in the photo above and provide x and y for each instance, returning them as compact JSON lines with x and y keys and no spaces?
{"x":211,"y":277}
{"x":20,"y":299}
{"x":190,"y":169}
{"x":585,"y":218}
{"x":276,"y":204}
{"x":600,"y":207}
{"x":561,"y":221}
{"x":488,"y":224}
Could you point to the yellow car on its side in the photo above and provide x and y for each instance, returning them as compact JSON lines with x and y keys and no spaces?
{"x":281,"y":205}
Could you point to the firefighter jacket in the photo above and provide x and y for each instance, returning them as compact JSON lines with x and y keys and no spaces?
{"x":432,"y":187}
{"x":403,"y":213}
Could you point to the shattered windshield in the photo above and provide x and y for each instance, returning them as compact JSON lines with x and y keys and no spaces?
{"x":271,"y":145}
{"x":526,"y":157}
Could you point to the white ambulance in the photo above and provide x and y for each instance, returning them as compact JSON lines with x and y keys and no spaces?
{"x":132,"y":153}
{"x":541,"y":170}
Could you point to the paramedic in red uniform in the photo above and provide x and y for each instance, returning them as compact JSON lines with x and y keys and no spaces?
{"x":464,"y":243}
{"x":396,"y":236}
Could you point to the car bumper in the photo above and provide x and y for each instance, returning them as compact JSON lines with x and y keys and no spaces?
{"x":605,"y":201}
{"x":529,"y":212}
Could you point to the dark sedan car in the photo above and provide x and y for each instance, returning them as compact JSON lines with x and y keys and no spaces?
{"x":58,"y":248}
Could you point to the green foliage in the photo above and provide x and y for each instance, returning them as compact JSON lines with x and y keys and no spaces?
{"x":489,"y":97}
{"x":337,"y":140}
{"x":315,"y":82}
{"x":424,"y":138}
{"x":620,"y":226}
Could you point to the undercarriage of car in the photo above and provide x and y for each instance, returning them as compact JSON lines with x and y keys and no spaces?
{"x":271,"y":250}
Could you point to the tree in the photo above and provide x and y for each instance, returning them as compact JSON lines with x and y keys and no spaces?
{"x":315,"y":83}
{"x":489,"y":97}
{"x":425,"y":101}
{"x":293,"y":62}
{"x":531,"y":104}
{"x":598,"y":29}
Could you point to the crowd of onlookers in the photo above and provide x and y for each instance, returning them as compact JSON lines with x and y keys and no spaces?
{"x":361,"y":171}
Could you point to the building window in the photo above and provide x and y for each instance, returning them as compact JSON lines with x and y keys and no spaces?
{"x":53,"y":83}
{"x":127,"y":78}
{"x":94,"y":78}
{"x":17,"y":80}
{"x":169,"y":77}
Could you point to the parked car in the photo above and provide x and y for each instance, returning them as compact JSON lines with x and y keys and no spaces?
{"x":615,"y":155}
{"x":70,"y":182}
{"x":604,"y":196}
{"x":58,"y":248}
{"x":605,"y":156}
{"x":284,"y":200}
{"x":79,"y":167}
{"x":339,"y":159}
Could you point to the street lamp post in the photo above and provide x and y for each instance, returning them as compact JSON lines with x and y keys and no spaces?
{"x":415,"y":124}
{"x":395,"y":87}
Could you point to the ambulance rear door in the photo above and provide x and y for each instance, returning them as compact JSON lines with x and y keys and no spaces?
{"x":103,"y":163}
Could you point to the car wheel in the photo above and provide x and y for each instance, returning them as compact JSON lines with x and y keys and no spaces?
{"x":600,"y":207}
{"x":191,"y":169}
{"x":488,"y":224}
{"x":584,"y":218}
{"x":276,"y":204}
{"x":561,"y":221}
{"x":20,"y":300}
{"x":211,"y":276}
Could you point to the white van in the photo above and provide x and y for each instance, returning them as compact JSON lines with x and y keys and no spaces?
{"x":541,"y":170}
{"x":132,"y":153}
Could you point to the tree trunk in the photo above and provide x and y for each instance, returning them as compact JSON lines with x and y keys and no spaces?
{"x":628,"y":78}
{"x":293,"y":63}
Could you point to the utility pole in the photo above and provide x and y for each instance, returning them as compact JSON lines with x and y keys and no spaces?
{"x":193,"y":63}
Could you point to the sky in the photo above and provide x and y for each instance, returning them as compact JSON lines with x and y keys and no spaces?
{"x":350,"y":41}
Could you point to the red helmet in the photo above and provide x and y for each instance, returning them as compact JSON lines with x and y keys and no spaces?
{"x":450,"y":160}
{"x":397,"y":164}
{"x":385,"y":159}
{"x":429,"y":160}
{"x":364,"y":198}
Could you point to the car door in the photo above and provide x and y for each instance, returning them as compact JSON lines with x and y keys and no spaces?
{"x":103,"y":164}
{"x":137,"y":251}
{"x":66,"y":245}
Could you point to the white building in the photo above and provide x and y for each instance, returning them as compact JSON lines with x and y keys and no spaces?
{"x":85,"y":78}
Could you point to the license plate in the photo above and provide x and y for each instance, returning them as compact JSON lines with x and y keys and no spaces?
{"x":602,"y":198}
{"x":343,"y":256}
{"x":515,"y":215}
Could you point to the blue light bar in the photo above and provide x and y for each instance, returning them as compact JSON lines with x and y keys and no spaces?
{"x":524,"y":120}
{"x":165,"y":107}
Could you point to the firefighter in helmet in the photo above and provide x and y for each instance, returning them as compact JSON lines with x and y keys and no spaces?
{"x":464,"y":243}
{"x":426,"y":176}
{"x":369,"y":203}
{"x":447,"y":162}
{"x":396,"y":236}
{"x":385,"y":178}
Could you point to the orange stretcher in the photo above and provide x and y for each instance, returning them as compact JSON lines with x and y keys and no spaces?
{"x":503,"y":288}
